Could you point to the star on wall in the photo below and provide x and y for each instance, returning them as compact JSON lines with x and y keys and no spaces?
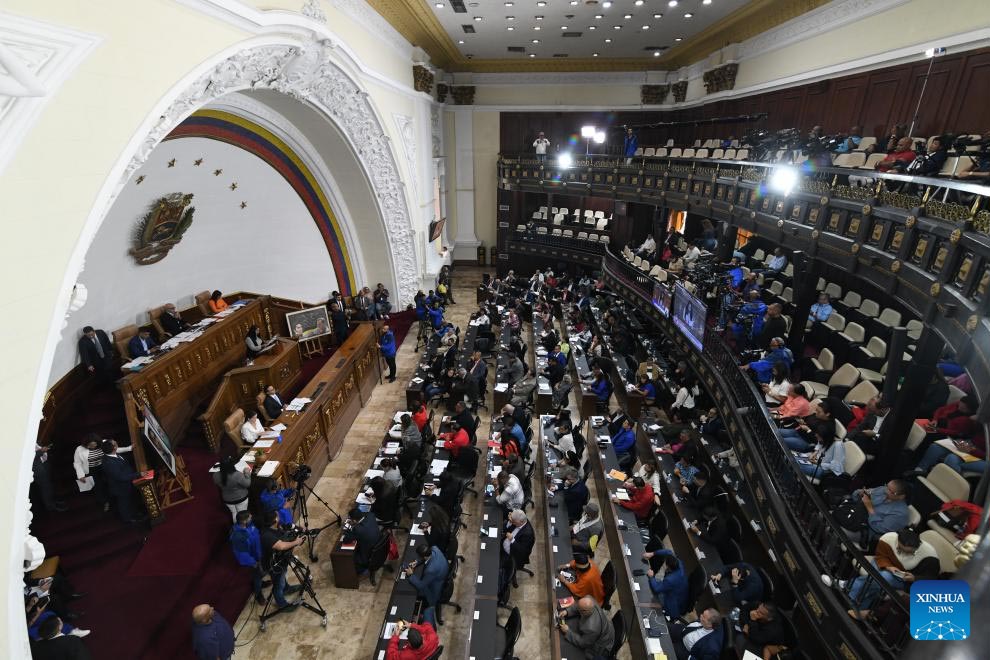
{"x":243,"y":205}
{"x":217,"y":172}
{"x":139,"y":180}
{"x":198,"y":162}
{"x":233,"y":186}
{"x":171,"y":163}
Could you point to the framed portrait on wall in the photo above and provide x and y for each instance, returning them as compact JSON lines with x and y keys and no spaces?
{"x":158,"y":439}
{"x":308,"y":323}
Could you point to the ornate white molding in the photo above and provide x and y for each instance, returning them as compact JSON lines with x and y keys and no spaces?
{"x":39,"y":58}
{"x":311,"y":9}
{"x":305,"y":72}
{"x":818,"y":21}
{"x":361,"y":11}
{"x":407,"y":131}
{"x":436,"y":133}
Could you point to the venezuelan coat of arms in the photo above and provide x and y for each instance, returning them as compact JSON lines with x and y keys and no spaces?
{"x":162,"y":228}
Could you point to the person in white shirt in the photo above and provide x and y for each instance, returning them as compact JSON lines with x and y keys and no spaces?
{"x":252,"y":428}
{"x":648,"y":246}
{"x":482,"y":317}
{"x":777,"y":262}
{"x":540,"y":144}
{"x":648,"y":472}
{"x":565,"y":443}
{"x":779,"y":388}
{"x":511,"y":494}
{"x":685,"y":396}
{"x":691,"y":634}
{"x":691,"y":256}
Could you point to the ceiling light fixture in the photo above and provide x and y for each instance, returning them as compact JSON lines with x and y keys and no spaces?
{"x":460,"y":41}
{"x":563,"y":27}
{"x":438,"y":5}
{"x":616,"y":27}
{"x":672,"y":3}
{"x":536,"y":41}
{"x":594,"y":54}
{"x":657,"y":15}
{"x":656,"y":53}
{"x":509,"y":4}
{"x":600,"y":135}
{"x":541,"y":4}
{"x":532,"y":54}
{"x":574,"y":2}
{"x":678,"y":39}
{"x":510,"y":18}
{"x":477,"y":19}
{"x":606,"y":4}
{"x":689,"y":15}
{"x":608,"y":41}
{"x":646,"y":27}
{"x":510,"y":28}
{"x":592,"y":27}
{"x":627,"y":16}
{"x":706,"y":2}
{"x":537,"y":28}
{"x":638,"y":3}
{"x":539,"y":18}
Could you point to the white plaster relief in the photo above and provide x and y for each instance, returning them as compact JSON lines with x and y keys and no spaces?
{"x":305,"y":72}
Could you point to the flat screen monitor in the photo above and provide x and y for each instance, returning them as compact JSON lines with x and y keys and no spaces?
{"x":689,"y":315}
{"x":436,"y":228}
{"x":661,"y":298}
{"x":158,"y":439}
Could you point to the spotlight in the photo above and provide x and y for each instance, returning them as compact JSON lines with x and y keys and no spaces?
{"x":588,"y":131}
{"x":564,"y":160}
{"x":600,"y":135}
{"x":783,"y":180}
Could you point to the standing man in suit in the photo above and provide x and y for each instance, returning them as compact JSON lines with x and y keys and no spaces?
{"x":273,"y":402}
{"x":119,"y":476}
{"x":141,"y":344}
{"x":519,"y":540}
{"x":362,"y":528}
{"x":96,"y":352}
{"x":429,"y":583}
{"x":171,"y":322}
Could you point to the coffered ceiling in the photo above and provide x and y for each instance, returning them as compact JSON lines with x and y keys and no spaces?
{"x":580,"y":35}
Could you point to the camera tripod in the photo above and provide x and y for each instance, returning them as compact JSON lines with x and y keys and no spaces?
{"x":423,"y":336}
{"x":305,"y":578}
{"x":300,"y":511}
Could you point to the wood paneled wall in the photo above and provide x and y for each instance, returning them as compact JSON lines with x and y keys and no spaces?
{"x":956,"y":100}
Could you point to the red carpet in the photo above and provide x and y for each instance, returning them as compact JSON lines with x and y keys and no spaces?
{"x":400,"y":324}
{"x":140,"y":584}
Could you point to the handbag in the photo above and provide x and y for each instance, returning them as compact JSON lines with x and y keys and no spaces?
{"x":852,"y":516}
{"x":393,"y":549}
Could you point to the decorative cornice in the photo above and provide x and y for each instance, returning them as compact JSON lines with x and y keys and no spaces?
{"x":47,"y":55}
{"x":305,"y":71}
{"x":415,"y":21}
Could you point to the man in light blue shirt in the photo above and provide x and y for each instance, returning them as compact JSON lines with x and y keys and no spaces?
{"x":821,"y":310}
{"x":886,"y":505}
{"x":851,"y":143}
{"x":778,"y":261}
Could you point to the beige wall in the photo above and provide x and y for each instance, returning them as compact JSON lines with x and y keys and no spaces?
{"x":486,"y":141}
{"x":551,"y":95}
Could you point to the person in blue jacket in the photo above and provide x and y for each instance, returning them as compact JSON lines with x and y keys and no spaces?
{"x":757,"y":310}
{"x":747,"y":586}
{"x":512,"y":427}
{"x":624,"y":441}
{"x":429,"y":583}
{"x":386,"y":344}
{"x":558,"y":355}
{"x":278,"y":500}
{"x":672,"y":589}
{"x":600,"y":386}
{"x":629,"y":145}
{"x":436,"y":316}
{"x":420,"y":300}
{"x":246,"y":543}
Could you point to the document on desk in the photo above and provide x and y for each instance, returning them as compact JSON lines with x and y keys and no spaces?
{"x":267,"y":435}
{"x":264,"y":444}
{"x":653,"y":646}
{"x":268,"y":469}
{"x":501,"y":387}
{"x":390,"y":629}
{"x":416,"y":381}
{"x":438,"y":466}
{"x":617,"y":475}
{"x":371,"y":474}
{"x":362,"y":498}
{"x":622,"y":495}
{"x":279,"y":427}
{"x":493,"y":532}
{"x":398,"y":415}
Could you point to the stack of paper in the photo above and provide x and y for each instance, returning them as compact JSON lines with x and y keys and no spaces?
{"x":268,"y":469}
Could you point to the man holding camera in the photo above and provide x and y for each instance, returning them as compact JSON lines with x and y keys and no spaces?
{"x":271,"y":545}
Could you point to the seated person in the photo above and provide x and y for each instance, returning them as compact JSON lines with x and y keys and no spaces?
{"x":575,"y":494}
{"x":171,"y":322}
{"x":713,"y":528}
{"x":421,"y":642}
{"x":429,"y":581}
{"x":363,"y":529}
{"x":874,"y":512}
{"x":252,"y":428}
{"x":141,"y":344}
{"x":700,"y":640}
{"x":745,"y":581}
{"x":898,"y":160}
{"x":216,"y":302}
{"x":795,"y":406}
{"x":953,"y":420}
{"x":752,"y":312}
{"x":829,"y":456}
{"x":901,"y":557}
{"x":624,"y":441}
{"x":778,"y":387}
{"x":816,"y":430}
{"x":273,"y":402}
{"x":851,"y":143}
{"x":592,"y":633}
{"x":582,"y":578}
{"x":640,"y":499}
{"x":864,"y":429}
{"x":510,"y":491}
{"x":762,"y":627}
{"x":701,"y":492}
{"x":936,"y":396}
{"x":561,"y":391}
{"x":647,"y":389}
{"x":763,"y":368}
{"x":932,"y":162}
{"x":671,"y":589}
{"x":821,"y":310}
{"x":685,"y":468}
{"x":964,"y":456}
{"x":587,"y":531}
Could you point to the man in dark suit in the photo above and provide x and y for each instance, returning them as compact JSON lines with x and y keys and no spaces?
{"x":466,"y":420}
{"x":171,"y":322}
{"x":53,"y":645}
{"x":701,"y":492}
{"x":96,"y":352}
{"x":519,"y":539}
{"x":119,"y":474}
{"x":700,"y":640}
{"x":141,"y":344}
{"x":362,"y":528}
{"x":429,"y":583}
{"x":273,"y":402}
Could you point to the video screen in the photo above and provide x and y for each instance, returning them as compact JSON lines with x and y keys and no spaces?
{"x":689,"y":315}
{"x":661,"y":298}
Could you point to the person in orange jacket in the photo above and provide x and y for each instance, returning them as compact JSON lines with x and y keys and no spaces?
{"x":587,"y":580}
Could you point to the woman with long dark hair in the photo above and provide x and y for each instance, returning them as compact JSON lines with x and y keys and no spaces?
{"x":254,"y":342}
{"x":233,"y":485}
